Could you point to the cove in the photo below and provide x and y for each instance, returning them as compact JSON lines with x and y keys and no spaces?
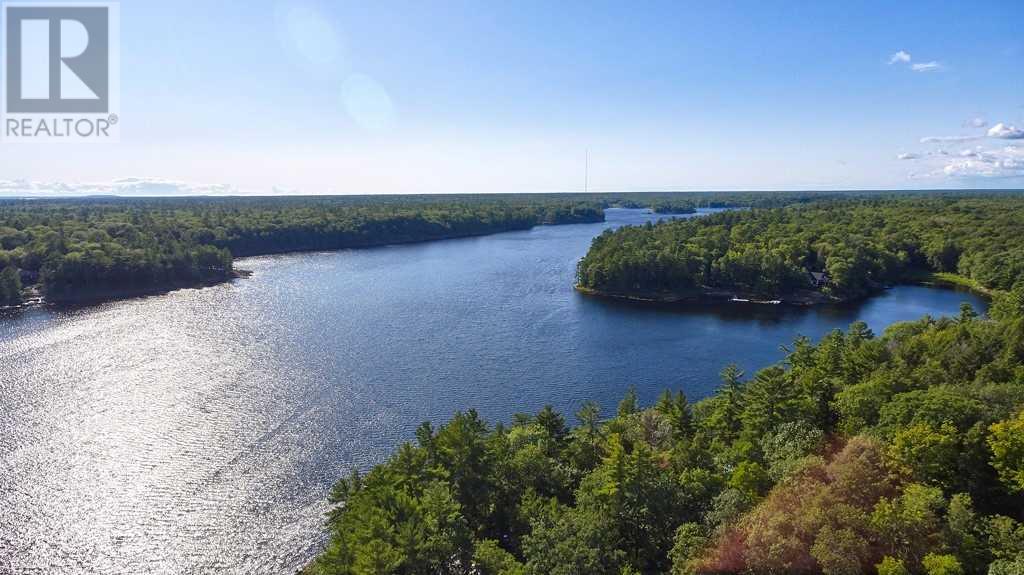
{"x":200,"y":430}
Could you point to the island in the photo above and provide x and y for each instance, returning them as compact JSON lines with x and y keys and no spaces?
{"x":806,"y":254}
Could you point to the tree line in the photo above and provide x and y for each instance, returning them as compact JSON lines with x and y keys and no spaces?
{"x":861,"y":245}
{"x":70,"y":247}
{"x":894,"y":454}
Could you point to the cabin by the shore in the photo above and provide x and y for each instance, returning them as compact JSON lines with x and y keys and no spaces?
{"x":819,"y":279}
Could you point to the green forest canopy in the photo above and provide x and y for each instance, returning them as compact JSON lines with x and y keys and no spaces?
{"x":862,"y":244}
{"x":74,"y":246}
{"x":902,"y":453}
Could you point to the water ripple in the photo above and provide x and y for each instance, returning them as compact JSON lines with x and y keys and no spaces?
{"x":200,"y":431}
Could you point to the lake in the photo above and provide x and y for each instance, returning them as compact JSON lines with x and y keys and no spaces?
{"x":201,"y":430}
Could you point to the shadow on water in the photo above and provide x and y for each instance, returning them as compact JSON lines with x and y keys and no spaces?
{"x":773,"y":314}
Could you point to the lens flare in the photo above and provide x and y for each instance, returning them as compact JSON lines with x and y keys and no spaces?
{"x":310,"y":35}
{"x":368,"y":103}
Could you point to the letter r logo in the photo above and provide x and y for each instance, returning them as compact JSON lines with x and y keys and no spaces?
{"x":57,"y":59}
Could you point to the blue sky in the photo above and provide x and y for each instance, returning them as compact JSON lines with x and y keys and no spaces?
{"x":391,"y":97}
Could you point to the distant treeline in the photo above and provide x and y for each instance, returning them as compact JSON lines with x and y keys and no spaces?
{"x":70,"y":247}
{"x":900,"y":454}
{"x":88,"y":246}
{"x":861,"y":244}
{"x":683,"y":202}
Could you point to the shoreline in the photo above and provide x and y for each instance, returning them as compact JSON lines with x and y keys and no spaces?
{"x":370,"y":245}
{"x":39,"y":297}
{"x":103,"y":295}
{"x":952,"y":281}
{"x":803,"y":298}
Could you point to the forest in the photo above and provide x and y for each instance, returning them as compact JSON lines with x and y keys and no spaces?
{"x":862,"y":244}
{"x":86,"y":247}
{"x":899,"y":453}
{"x":99,"y":245}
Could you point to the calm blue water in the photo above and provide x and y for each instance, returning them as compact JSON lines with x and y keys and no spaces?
{"x":199,"y":431}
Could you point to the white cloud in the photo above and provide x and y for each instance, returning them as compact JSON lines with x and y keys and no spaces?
{"x":947,"y":139}
{"x":907,"y":156}
{"x":926,"y":66}
{"x":1005,"y":132}
{"x":1000,"y":131}
{"x":903,"y":57}
{"x":898,"y":57}
{"x":977,"y":162}
{"x":120,"y":187}
{"x":1007,"y":162}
